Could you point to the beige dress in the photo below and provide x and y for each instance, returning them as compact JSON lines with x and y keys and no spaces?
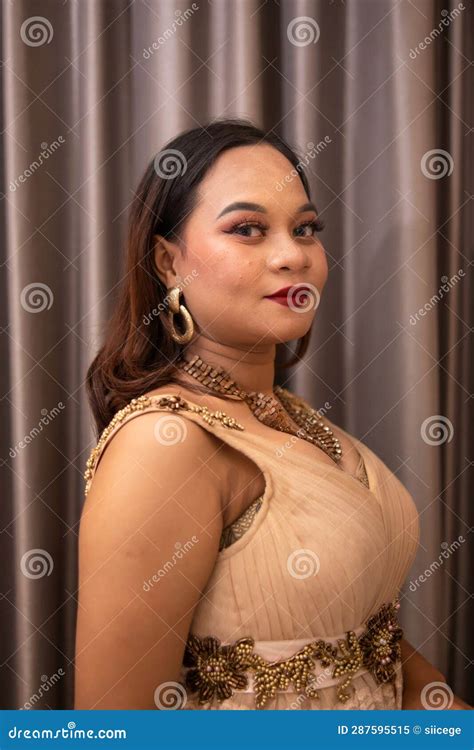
{"x":312,"y":568}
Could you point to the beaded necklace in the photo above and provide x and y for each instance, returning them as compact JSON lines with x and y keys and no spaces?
{"x":281,"y":411}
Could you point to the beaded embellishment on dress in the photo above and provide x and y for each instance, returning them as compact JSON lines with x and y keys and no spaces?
{"x":170,"y":403}
{"x":215,"y":671}
{"x":176,"y":403}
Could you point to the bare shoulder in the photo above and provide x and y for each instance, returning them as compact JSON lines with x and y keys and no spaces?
{"x":145,"y":458}
{"x":148,"y":542}
{"x":242,"y":480}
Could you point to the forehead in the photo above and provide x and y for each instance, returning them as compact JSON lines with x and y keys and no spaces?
{"x":250,"y":173}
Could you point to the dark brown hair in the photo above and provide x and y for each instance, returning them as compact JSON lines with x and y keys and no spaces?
{"x":139,"y":353}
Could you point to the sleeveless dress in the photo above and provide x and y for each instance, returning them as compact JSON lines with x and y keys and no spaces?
{"x":300,"y":611}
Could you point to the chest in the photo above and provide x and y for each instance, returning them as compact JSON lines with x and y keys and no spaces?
{"x":247,"y":480}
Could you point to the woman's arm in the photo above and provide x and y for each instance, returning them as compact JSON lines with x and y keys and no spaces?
{"x":148,"y":542}
{"x":417,"y":674}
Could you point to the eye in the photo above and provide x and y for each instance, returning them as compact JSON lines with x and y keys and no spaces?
{"x":316,"y":225}
{"x":243,"y":228}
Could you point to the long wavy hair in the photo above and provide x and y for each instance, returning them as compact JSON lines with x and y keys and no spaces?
{"x":139,"y":353}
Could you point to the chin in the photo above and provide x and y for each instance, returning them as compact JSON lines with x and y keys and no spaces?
{"x":290,"y":334}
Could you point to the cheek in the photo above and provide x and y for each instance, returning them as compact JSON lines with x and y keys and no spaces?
{"x":238,"y":275}
{"x":321,"y":264}
{"x":222,"y":266}
{"x":324,"y":267}
{"x":224,"y":270}
{"x":216,"y":281}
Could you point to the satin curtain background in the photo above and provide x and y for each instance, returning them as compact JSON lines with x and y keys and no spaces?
{"x":399,"y":225}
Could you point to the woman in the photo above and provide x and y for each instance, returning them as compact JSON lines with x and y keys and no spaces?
{"x":238,"y":550}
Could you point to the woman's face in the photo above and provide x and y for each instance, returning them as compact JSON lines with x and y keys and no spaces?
{"x":235,"y":258}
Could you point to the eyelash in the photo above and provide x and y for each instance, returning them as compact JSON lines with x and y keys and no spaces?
{"x":317,"y":225}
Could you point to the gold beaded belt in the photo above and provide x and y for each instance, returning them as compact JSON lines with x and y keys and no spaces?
{"x":216,"y":671}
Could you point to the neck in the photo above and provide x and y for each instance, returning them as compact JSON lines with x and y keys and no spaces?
{"x":251,"y":370}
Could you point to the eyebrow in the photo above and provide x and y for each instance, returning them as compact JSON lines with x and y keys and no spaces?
{"x":245,"y":206}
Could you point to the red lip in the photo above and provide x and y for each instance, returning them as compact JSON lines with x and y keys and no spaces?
{"x":284,"y":291}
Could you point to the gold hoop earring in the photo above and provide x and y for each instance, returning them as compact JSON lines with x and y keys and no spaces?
{"x":174,"y":308}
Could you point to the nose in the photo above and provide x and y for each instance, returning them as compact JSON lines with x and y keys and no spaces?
{"x":289,"y":255}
